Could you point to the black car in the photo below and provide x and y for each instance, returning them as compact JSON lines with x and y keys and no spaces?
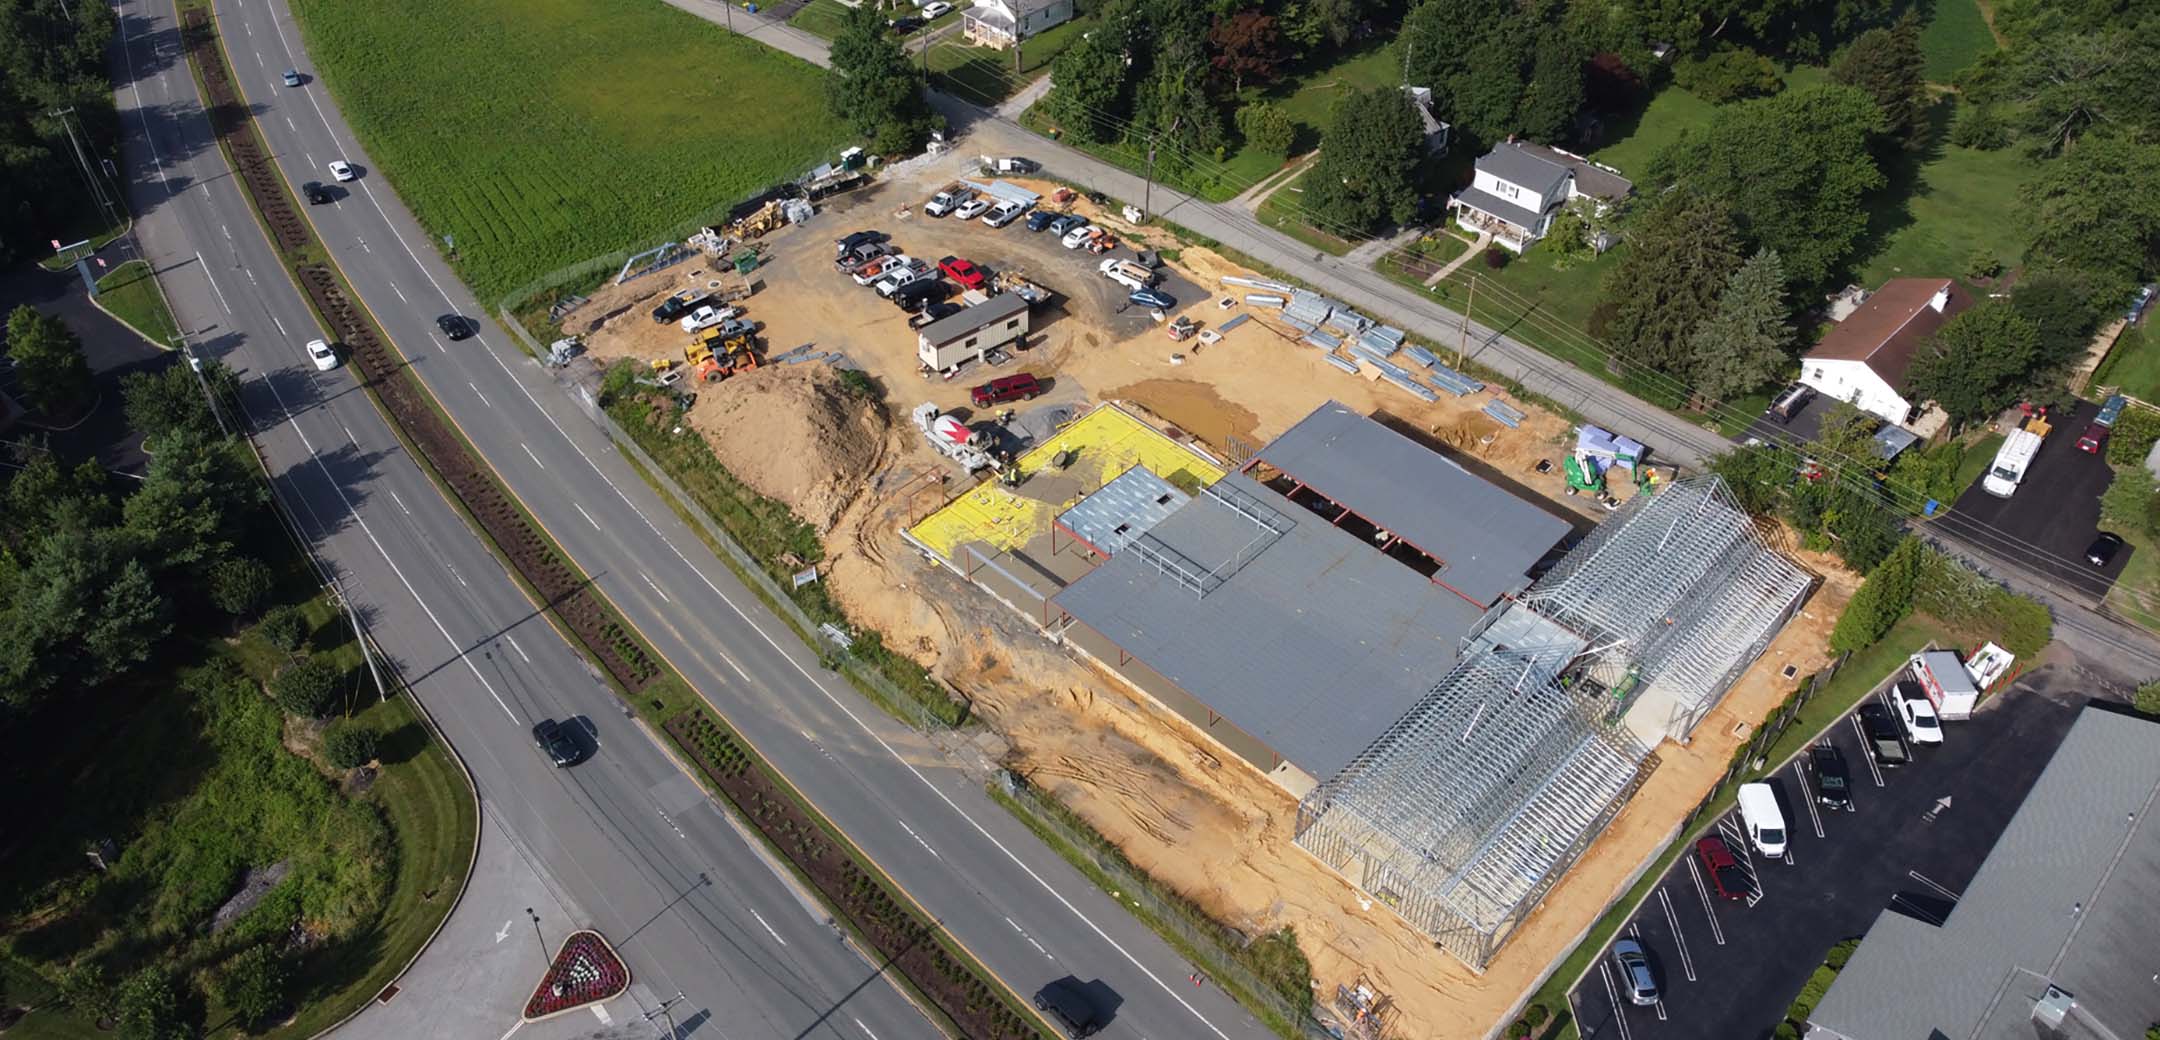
{"x":2103,"y":549}
{"x":933,"y":312}
{"x":315,"y":192}
{"x":555,"y":742}
{"x":454,"y":326}
{"x":676,"y":306}
{"x":1833,"y":782}
{"x":859,"y":238}
{"x":1067,"y":1004}
{"x":920,"y":293}
{"x":905,"y":25}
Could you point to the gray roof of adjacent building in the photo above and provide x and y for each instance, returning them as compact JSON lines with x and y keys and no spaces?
{"x":1486,"y":538}
{"x":2053,"y":937}
{"x":953,"y":326}
{"x":1517,"y":165}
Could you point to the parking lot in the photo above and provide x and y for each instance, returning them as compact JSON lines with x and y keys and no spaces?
{"x":2056,"y":512}
{"x":1913,"y":838}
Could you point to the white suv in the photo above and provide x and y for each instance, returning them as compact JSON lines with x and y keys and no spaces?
{"x":320,"y":352}
{"x":1922,"y":726}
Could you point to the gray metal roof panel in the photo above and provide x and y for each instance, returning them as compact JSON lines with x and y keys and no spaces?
{"x":1486,"y":202}
{"x":1485,"y":537}
{"x":953,"y":326}
{"x":1314,"y":645}
{"x":1130,"y":505}
{"x":1523,"y":168}
{"x":2067,"y":892}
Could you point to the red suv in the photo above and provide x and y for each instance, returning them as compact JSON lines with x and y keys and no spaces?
{"x":1726,"y":877}
{"x":1009,"y":388}
{"x":962,"y":270}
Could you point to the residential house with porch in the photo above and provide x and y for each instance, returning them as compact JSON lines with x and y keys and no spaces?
{"x":1002,"y":23}
{"x":1519,"y":187}
{"x":1865,"y":359}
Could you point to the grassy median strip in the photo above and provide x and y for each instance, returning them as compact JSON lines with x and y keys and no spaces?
{"x":130,"y":293}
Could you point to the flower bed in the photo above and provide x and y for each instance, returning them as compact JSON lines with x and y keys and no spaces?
{"x":586,"y":971}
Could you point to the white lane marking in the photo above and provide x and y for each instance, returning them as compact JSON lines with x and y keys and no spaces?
{"x":508,"y":1032}
{"x":213,"y":284}
{"x":1024,"y":935}
{"x":142,"y":113}
{"x":1672,"y":920}
{"x":865,"y":1029}
{"x":364,"y":246}
{"x":768,"y":928}
{"x":227,"y":230}
{"x":289,"y":123}
{"x":926,"y":845}
{"x":1807,"y":796}
{"x":476,"y":393}
{"x":394,"y":568}
{"x":588,"y":516}
{"x":280,"y":325}
{"x":400,"y":292}
{"x":656,"y":586}
{"x":349,"y":435}
{"x":1612,"y":994}
{"x":400,"y":503}
{"x":528,"y":451}
{"x":1702,"y":890}
{"x":251,"y":276}
{"x":453,"y":573}
{"x":311,"y":160}
{"x":514,"y":646}
{"x":1930,"y":882}
{"x":1867,"y":748}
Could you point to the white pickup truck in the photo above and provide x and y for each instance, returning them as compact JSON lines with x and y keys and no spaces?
{"x":1126,"y":273}
{"x":947,"y":199}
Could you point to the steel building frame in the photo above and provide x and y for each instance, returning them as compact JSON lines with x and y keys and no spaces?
{"x":1464,"y":813}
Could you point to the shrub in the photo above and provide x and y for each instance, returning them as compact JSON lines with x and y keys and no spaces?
{"x":284,"y":628}
{"x":1979,"y":128}
{"x":2127,"y":504}
{"x":1496,"y":257}
{"x":1536,"y":1014}
{"x":2148,"y":698}
{"x":85,"y":988}
{"x":238,"y":586}
{"x":1519,"y":1030}
{"x":349,"y":745}
{"x":1883,"y":600}
{"x":1841,"y":953}
{"x":1982,"y":265}
{"x":150,"y":1007}
{"x":306,"y":689}
{"x":1267,"y":128}
{"x":1729,"y":74}
{"x":2133,"y":436}
{"x":252,"y":984}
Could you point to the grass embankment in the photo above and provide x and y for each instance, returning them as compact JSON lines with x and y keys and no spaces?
{"x":130,"y":291}
{"x":1853,"y":681}
{"x":197,"y":776}
{"x":502,"y":122}
{"x":2133,"y":366}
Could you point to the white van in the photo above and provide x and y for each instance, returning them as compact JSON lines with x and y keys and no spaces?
{"x":2011,"y":461}
{"x":1765,"y":824}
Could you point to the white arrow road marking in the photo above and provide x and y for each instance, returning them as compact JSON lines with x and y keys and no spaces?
{"x":505,"y":933}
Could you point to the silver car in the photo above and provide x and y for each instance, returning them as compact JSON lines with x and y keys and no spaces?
{"x":1636,"y":978}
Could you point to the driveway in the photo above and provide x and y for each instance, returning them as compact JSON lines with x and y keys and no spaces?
{"x":1913,"y":839}
{"x":2056,"y":511}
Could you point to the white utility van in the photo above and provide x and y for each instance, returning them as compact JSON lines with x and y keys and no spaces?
{"x":1765,"y":824}
{"x":2011,"y":461}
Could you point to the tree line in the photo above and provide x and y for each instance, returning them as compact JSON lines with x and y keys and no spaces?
{"x":52,"y":57}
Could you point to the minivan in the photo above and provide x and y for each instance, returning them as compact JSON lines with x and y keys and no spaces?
{"x":1791,"y":401}
{"x":1005,"y":388}
{"x":1765,"y":824}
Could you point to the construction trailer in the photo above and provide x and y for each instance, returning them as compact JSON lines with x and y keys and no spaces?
{"x":1469,"y":808}
{"x":954,"y":340}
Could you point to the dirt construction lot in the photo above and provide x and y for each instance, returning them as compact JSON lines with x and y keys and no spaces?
{"x":1181,"y":808}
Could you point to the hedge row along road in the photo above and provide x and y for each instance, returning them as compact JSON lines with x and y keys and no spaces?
{"x":999,"y":893}
{"x":683,"y":890}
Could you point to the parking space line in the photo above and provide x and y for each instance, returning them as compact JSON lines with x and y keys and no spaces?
{"x":1717,"y":933}
{"x":1687,"y":964}
{"x":1807,"y":796}
{"x":1867,"y":749}
{"x":1898,"y":899}
{"x":1931,"y":883}
{"x":1612,"y":996}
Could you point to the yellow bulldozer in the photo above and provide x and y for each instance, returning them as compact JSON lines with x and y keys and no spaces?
{"x":713,"y":365}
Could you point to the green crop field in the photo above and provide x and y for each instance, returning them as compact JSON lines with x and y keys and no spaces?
{"x":543,"y":132}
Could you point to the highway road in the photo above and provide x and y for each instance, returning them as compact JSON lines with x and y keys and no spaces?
{"x":627,"y":843}
{"x":997,"y":890}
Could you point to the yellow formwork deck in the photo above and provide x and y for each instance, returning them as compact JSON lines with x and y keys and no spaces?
{"x":1103,"y":443}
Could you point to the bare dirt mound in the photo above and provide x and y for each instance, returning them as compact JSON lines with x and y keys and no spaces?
{"x":795,"y":433}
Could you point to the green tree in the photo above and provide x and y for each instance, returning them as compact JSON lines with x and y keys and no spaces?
{"x":129,"y":622}
{"x":239,"y":585}
{"x":2129,"y":501}
{"x":1755,"y":474}
{"x":1795,"y":169}
{"x":1366,"y":174}
{"x":1090,"y":80}
{"x":307,"y":689}
{"x":172,"y":398}
{"x":872,"y":87}
{"x":1555,"y":91}
{"x":2065,"y":306}
{"x":1728,"y":74}
{"x":1883,"y":600}
{"x":284,"y":628}
{"x":1248,"y":47}
{"x":2068,"y":86}
{"x":196,"y":502}
{"x":49,"y":363}
{"x":1312,"y":23}
{"x":1476,"y":55}
{"x":85,"y":988}
{"x":152,"y":1006}
{"x":54,"y":54}
{"x":1978,"y":363}
{"x":253,"y":984}
{"x":349,"y":745}
{"x":43,"y":496}
{"x":1267,"y":128}
{"x":1747,"y":339}
{"x":1172,"y":110}
{"x":1681,"y":255}
{"x":2097,"y":209}
{"x":1888,"y":65}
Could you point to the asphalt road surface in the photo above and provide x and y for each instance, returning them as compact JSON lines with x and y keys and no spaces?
{"x":994,"y":886}
{"x":627,"y":847}
{"x":2056,"y":509}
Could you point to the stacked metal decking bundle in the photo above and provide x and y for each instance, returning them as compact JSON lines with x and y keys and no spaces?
{"x":1507,"y":415}
{"x":1347,"y":322}
{"x":1309,"y":307}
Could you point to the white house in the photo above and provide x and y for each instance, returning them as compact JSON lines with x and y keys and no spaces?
{"x":1436,"y":131}
{"x":1865,"y":358}
{"x":1519,"y":186}
{"x":999,"y":23}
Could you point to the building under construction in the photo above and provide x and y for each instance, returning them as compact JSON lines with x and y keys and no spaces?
{"x":1466,"y":811}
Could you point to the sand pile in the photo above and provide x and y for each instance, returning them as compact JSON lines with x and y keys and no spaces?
{"x":795,"y":433}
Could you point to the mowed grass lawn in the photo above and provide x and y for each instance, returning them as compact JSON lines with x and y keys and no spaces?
{"x":544,"y":132}
{"x":2134,"y":365}
{"x":1955,"y":36}
{"x":130,"y":292}
{"x":1957,"y":203}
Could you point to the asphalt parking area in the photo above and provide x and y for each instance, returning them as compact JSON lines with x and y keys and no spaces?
{"x":2055,"y":513}
{"x":1913,"y":838}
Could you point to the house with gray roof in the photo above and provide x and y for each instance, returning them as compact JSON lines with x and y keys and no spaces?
{"x":1002,"y":23}
{"x":1519,"y":186}
{"x":2054,"y":937}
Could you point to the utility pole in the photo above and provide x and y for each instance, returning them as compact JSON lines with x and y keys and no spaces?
{"x":1464,"y":345}
{"x":1147,"y":200}
{"x":82,"y":162}
{"x":544,"y":957}
{"x":382,"y":693}
{"x":666,"y":1012}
